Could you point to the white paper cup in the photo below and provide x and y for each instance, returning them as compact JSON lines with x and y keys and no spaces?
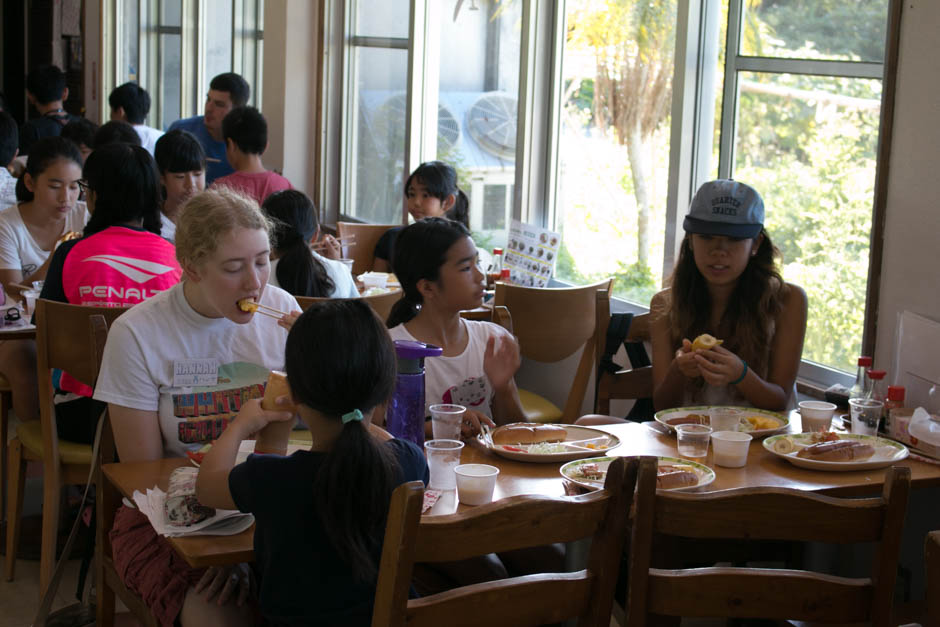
{"x":443,"y":458}
{"x":475,"y":483}
{"x":816,"y":415}
{"x":374,"y":279}
{"x":445,"y":421}
{"x":725,"y":418}
{"x":730,"y":448}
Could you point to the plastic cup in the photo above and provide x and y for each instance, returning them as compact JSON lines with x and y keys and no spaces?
{"x":692,"y":441}
{"x":347,"y":262}
{"x":445,"y":421}
{"x":443,"y":458}
{"x":29,"y":301}
{"x":374,"y":279}
{"x":816,"y":415}
{"x":730,"y":448}
{"x":475,"y":483}
{"x":866,"y":413}
{"x":726,"y":418}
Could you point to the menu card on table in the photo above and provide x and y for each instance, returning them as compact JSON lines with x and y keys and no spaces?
{"x":530,"y":254}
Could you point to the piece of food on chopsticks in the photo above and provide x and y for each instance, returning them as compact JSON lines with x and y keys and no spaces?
{"x":671,"y":476}
{"x":838,"y":451}
{"x":529,"y":434}
{"x":246,"y":304}
{"x":705,"y":342}
{"x":181,"y":507}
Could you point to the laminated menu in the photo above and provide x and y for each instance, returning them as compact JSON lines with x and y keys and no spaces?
{"x":531,"y":254}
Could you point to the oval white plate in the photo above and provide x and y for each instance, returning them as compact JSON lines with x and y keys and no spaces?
{"x":575,"y":433}
{"x":679,"y":412}
{"x":887,"y":452}
{"x":569,"y":471}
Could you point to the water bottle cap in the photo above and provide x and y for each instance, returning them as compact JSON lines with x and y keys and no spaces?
{"x":411,"y":349}
{"x":864,"y":361}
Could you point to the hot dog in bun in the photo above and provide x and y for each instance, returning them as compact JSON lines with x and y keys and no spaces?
{"x":671,"y":476}
{"x":529,"y":434}
{"x":839,"y":451}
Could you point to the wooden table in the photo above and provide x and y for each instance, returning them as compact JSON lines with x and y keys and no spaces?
{"x":762,"y":470}
{"x":19,"y":332}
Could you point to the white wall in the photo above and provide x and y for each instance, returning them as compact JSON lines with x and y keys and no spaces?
{"x":911,"y":267}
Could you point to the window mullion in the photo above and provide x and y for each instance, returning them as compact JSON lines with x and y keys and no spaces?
{"x":818,"y":67}
{"x":729,"y":102}
{"x":414,"y":124}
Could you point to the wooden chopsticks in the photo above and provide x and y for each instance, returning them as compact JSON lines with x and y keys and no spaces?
{"x":349,"y":240}
{"x":268,"y":311}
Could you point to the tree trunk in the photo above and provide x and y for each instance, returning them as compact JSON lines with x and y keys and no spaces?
{"x":639,"y":168}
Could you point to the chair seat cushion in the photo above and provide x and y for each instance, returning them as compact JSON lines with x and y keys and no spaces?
{"x":537,"y":408}
{"x":30,"y":434}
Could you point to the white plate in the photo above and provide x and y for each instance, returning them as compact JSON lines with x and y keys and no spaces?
{"x":575,"y":433}
{"x":569,"y":471}
{"x":662,"y":417}
{"x":887,"y":452}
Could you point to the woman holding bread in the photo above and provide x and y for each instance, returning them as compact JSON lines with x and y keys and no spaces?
{"x":177,"y":369}
{"x":727,"y":284}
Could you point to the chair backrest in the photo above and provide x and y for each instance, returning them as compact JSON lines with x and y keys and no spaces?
{"x":624,"y":384}
{"x":381,"y":303}
{"x":932,"y":566}
{"x":363,"y":249}
{"x":552,"y":324}
{"x":765,"y":514}
{"x":496,"y":314}
{"x":513,"y":523}
{"x":65,"y":340}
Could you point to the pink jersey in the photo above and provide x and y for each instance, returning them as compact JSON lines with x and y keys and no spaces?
{"x":116,"y":267}
{"x":258,"y":185}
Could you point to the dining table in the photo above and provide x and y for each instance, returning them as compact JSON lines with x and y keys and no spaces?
{"x":22,"y":331}
{"x":763,"y":469}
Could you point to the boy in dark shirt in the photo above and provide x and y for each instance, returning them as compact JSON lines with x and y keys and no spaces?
{"x":46,"y":90}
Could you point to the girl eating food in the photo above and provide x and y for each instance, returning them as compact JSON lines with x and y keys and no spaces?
{"x":294,"y":265}
{"x":436,"y":264}
{"x":320,"y":514}
{"x":177,"y":369}
{"x":727,"y":284}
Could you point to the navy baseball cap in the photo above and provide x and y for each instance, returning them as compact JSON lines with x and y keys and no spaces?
{"x":725,"y":207}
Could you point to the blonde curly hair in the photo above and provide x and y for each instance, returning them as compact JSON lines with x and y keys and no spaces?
{"x":210,"y":215}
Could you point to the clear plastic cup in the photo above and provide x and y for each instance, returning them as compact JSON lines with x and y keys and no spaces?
{"x":374,"y":279}
{"x":346,"y":262}
{"x":866,"y":413}
{"x":816,"y":415}
{"x":692,"y":441}
{"x":29,"y":301}
{"x":475,"y":483}
{"x":726,"y":418}
{"x":445,"y":421}
{"x":730,"y":448}
{"x":443,"y":458}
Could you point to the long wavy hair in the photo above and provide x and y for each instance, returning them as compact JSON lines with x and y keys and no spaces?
{"x":755,"y":303}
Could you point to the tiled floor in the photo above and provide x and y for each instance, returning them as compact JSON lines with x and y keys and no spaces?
{"x":19,"y":599}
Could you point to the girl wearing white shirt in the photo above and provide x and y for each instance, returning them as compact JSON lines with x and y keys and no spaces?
{"x":294,"y":266}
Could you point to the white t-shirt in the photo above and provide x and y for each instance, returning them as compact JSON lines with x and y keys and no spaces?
{"x":153,"y":339}
{"x":344,"y":285}
{"x":7,"y":189}
{"x":459,"y":379}
{"x":148,"y":137}
{"x":18,"y":249}
{"x":167,"y":228}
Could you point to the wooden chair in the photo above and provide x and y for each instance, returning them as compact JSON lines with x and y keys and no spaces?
{"x":63,"y":340}
{"x":513,"y":523}
{"x":497,"y":315}
{"x":552,"y":324}
{"x":381,"y":303}
{"x":765,"y":514}
{"x":932,"y":562}
{"x":627,"y":383}
{"x":6,"y":403}
{"x":367,"y":236}
{"x":107,"y":502}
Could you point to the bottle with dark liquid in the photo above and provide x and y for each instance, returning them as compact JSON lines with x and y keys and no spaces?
{"x":494,"y":271}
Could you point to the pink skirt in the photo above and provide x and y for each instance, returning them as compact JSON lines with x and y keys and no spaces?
{"x":149,"y":566}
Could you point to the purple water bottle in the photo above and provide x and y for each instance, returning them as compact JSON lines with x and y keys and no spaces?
{"x":404,"y":417}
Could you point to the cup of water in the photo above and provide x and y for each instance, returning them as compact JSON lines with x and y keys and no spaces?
{"x":692,"y":441}
{"x":443,"y":459}
{"x":445,"y":421}
{"x":866,"y":412}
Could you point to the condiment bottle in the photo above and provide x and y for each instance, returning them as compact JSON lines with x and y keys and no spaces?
{"x":895,"y":400}
{"x":496,"y":269}
{"x":404,"y":415}
{"x":878,"y":390}
{"x":862,"y":383}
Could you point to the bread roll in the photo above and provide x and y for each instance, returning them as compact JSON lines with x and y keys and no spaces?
{"x":705,"y":342}
{"x":276,"y":386}
{"x":839,"y":451}
{"x":529,"y":434}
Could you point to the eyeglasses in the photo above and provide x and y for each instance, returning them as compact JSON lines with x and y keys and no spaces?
{"x":12,"y":315}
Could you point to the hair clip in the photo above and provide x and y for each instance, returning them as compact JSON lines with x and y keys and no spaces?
{"x":353,"y":416}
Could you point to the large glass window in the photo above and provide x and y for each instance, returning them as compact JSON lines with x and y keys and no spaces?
{"x":614,"y":143}
{"x":804,"y":124}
